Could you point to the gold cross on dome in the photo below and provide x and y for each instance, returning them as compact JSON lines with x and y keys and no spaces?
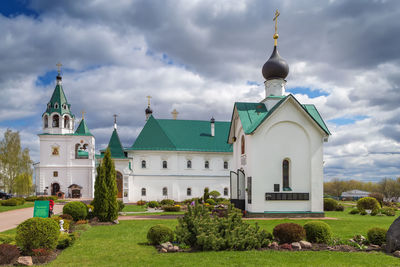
{"x":276,"y":20}
{"x":148,"y":100}
{"x":115,"y":118}
{"x":174,"y":114}
{"x":83,"y":114}
{"x":59,"y":67}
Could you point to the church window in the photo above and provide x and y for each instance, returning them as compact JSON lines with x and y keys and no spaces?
{"x":165,"y":191}
{"x":206,"y":164}
{"x":64,"y":106}
{"x":189,"y":164}
{"x":55,"y":174}
{"x":164,"y":164}
{"x":225,"y":165}
{"x":56,"y":121}
{"x":189,"y":191}
{"x":56,"y":105}
{"x":226,"y":191}
{"x":66,"y":122}
{"x":81,"y":151}
{"x":45,"y":121}
{"x":285,"y":173}
{"x":242,"y":145}
{"x":143,"y":164}
{"x":143,"y":192}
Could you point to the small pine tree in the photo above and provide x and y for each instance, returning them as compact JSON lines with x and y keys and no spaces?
{"x":105,"y":194}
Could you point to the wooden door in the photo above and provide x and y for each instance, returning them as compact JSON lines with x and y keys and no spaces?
{"x":119,"y":185}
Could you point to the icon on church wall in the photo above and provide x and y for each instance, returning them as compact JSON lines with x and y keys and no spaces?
{"x":55,"y":151}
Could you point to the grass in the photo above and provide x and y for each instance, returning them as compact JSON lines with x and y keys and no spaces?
{"x":125,"y":245}
{"x":7,"y":208}
{"x":134,"y":208}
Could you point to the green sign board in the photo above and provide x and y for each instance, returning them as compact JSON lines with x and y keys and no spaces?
{"x":41,"y":208}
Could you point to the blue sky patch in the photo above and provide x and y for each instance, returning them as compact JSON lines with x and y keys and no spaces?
{"x":348,"y":120}
{"x":19,"y":123}
{"x":253,"y":83}
{"x":307,"y":91}
{"x":14,"y":8}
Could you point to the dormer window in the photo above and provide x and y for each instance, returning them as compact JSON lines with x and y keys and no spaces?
{"x":48,"y":105}
{"x":56,"y":105}
{"x":64,"y":106}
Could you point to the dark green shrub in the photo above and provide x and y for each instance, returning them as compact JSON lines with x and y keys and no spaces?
{"x":363,"y":212}
{"x":20,"y":200}
{"x":54,"y":198}
{"x":211,"y":201}
{"x":6,"y":239}
{"x":289,"y":232}
{"x":121,"y":205}
{"x":169,"y":208}
{"x":8,"y":253}
{"x":339,"y":208}
{"x":206,"y":194}
{"x":354,"y":211}
{"x":31,"y":198}
{"x":153,"y":204}
{"x":10,"y":202}
{"x":374,"y":212}
{"x":377,"y":236}
{"x":37,"y":233}
{"x":214,"y":194}
{"x":66,"y":224}
{"x":318,"y":232}
{"x":76,"y":209}
{"x":368,"y":203}
{"x":66,"y":217}
{"x":65,"y":240}
{"x":389,"y":211}
{"x":159,"y":234}
{"x":169,"y":202}
{"x":330,"y":204}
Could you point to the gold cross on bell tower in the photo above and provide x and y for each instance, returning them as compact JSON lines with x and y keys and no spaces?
{"x":276,"y":27}
{"x":59,"y":68}
{"x":83,"y":114}
{"x":148,"y":100}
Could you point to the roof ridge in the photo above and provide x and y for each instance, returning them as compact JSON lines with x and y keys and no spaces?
{"x":163,"y":130}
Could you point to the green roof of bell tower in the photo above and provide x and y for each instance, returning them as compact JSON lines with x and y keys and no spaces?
{"x":83,"y":129}
{"x":117,"y":151}
{"x":58,"y":102}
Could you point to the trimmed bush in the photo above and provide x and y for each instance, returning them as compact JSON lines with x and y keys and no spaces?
{"x":211,"y":201}
{"x":66,"y":217}
{"x":214,"y":194}
{"x":66,"y":222}
{"x":368,"y":203}
{"x":159,"y":234}
{"x":206,"y":194}
{"x":153,"y":204}
{"x":330,"y":204}
{"x":169,"y":202}
{"x":377,"y":236}
{"x":289,"y":232}
{"x":169,"y":208}
{"x":76,"y":209}
{"x":31,"y":198}
{"x":354,"y":211}
{"x":339,"y":208}
{"x":121,"y":205}
{"x":318,"y":232}
{"x":363,"y":212}
{"x":389,"y":211}
{"x":54,"y":198}
{"x":8,"y":253}
{"x":37,"y":233}
{"x":15,"y":201}
{"x":65,"y":240}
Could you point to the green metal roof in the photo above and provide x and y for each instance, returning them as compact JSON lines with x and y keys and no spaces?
{"x":117,"y":151}
{"x":182,"y":135}
{"x":253,"y":114}
{"x":58,"y":98}
{"x":82,"y":129}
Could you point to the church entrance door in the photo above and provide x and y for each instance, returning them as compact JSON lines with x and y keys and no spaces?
{"x":55,"y":187}
{"x":119,"y":184}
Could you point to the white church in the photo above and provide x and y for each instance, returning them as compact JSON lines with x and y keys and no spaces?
{"x":268,"y":159}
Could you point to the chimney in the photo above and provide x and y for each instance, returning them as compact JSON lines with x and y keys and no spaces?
{"x":212,"y":122}
{"x":174,"y":114}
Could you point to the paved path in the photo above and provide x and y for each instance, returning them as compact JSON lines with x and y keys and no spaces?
{"x":11,"y":219}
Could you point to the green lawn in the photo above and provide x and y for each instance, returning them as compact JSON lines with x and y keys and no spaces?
{"x":125,"y":245}
{"x":134,"y":208}
{"x":7,"y":208}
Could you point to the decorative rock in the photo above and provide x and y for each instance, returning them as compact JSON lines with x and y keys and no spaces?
{"x":166,"y":245}
{"x":393,"y":236}
{"x":273,"y":245}
{"x":176,"y":248}
{"x":115,"y":222}
{"x":396,"y":253}
{"x":296,"y":245}
{"x":163,"y":250}
{"x":171,"y":249}
{"x":305,"y":244}
{"x":25,"y":261}
{"x":373,"y":248}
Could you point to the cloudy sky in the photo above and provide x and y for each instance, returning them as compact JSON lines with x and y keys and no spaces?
{"x":199,"y":57}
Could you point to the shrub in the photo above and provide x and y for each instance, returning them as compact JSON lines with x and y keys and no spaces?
{"x":141,"y":203}
{"x":10,"y":202}
{"x":20,"y":200}
{"x":339,"y":208}
{"x":37,"y":233}
{"x":377,"y":236}
{"x":330,"y":204}
{"x":90,"y":208}
{"x":363,"y":212}
{"x":378,"y":196}
{"x":318,"y":232}
{"x":8,"y":253}
{"x":31,"y":198}
{"x":214,"y":194}
{"x":354,"y":211}
{"x":42,"y":255}
{"x":169,"y":202}
{"x":211,"y":201}
{"x":206,"y":194}
{"x":65,"y":240}
{"x":6,"y":239}
{"x":153,"y":204}
{"x":159,"y":234}
{"x":76,"y":209}
{"x":368,"y":203}
{"x":289,"y":232}
{"x":66,"y":224}
{"x":389,"y":211}
{"x":47,"y":198}
{"x":169,"y":208}
{"x":121,"y":205}
{"x":374,"y":212}
{"x":66,"y":217}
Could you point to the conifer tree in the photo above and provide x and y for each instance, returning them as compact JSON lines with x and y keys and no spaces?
{"x":105,"y":194}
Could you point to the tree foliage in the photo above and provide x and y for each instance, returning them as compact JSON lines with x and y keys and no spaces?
{"x":105,"y":190}
{"x":23,"y":184}
{"x":13,"y":160}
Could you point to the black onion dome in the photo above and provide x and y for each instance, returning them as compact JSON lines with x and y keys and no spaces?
{"x":276,"y":67}
{"x":148,"y":110}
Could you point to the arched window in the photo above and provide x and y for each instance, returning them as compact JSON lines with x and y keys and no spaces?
{"x":66,"y":122}
{"x":81,"y":151}
{"x":189,"y":164}
{"x":56,"y":121}
{"x":189,"y":191}
{"x":164,"y":164}
{"x":143,"y":164}
{"x":56,"y":105}
{"x":226,"y":191}
{"x":64,"y":106}
{"x":206,"y":164}
{"x":143,"y":192}
{"x":45,"y":121}
{"x":243,"y":145}
{"x":225,"y":165}
{"x":285,"y":173}
{"x":165,"y":191}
